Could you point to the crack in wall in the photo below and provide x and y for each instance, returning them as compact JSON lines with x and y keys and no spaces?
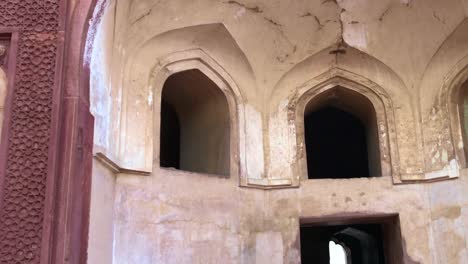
{"x":385,"y":12}
{"x":320,"y":25}
{"x":254,"y":9}
{"x":438,"y":18}
{"x":147,"y":13}
{"x":388,"y":10}
{"x":273,"y":23}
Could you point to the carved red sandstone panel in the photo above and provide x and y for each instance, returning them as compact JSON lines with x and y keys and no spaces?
{"x":24,"y":179}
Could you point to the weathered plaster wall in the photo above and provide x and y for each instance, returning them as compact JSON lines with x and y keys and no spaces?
{"x":101,"y":228}
{"x":104,"y":96}
{"x":267,"y":54}
{"x":175,"y":218}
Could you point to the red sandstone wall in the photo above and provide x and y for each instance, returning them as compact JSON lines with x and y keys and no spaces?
{"x":25,"y":173}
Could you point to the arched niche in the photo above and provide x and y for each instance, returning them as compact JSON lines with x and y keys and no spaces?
{"x":462,"y":107}
{"x":194,"y":125}
{"x":196,"y":60}
{"x":210,"y":45}
{"x":454,"y":101}
{"x":440,"y":92}
{"x":387,"y":148}
{"x":358,"y":68}
{"x":341,"y":135}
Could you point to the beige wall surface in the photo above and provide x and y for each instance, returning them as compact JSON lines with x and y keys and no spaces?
{"x":408,"y":57}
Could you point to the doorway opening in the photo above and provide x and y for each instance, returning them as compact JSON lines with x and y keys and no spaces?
{"x":341,"y":136}
{"x":363,"y":241}
{"x":195,"y":125}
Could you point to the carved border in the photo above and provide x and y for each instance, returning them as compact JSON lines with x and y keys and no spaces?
{"x":12,"y":54}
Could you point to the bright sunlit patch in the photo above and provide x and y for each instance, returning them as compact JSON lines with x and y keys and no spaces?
{"x":337,"y":253}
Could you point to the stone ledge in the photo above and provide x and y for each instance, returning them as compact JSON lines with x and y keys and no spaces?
{"x":116,"y":168}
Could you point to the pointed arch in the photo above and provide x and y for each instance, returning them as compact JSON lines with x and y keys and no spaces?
{"x":382,"y":104}
{"x":199,"y":60}
{"x":357,"y":67}
{"x":209,"y":46}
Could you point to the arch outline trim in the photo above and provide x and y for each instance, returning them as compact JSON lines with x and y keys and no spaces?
{"x":308,"y":91}
{"x":197,"y":59}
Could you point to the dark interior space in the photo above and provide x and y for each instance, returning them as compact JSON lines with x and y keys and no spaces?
{"x":377,"y":241}
{"x":195,"y":125}
{"x":336,"y":144}
{"x":170,"y":132}
{"x":341,"y":136}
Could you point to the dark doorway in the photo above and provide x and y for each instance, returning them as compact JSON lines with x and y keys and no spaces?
{"x":195,"y":125}
{"x":377,"y":241}
{"x":336,"y":144}
{"x":341,"y":136}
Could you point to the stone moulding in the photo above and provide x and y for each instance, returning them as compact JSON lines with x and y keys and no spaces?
{"x":266,"y":183}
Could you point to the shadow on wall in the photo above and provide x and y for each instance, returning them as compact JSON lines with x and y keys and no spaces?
{"x":195,"y":125}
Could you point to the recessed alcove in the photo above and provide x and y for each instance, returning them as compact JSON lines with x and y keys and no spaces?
{"x":195,"y":125}
{"x":341,"y":136}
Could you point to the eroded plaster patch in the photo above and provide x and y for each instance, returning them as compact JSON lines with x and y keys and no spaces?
{"x":150,"y":96}
{"x":269,"y":248}
{"x":450,"y":170}
{"x":239,"y":13}
{"x":254,"y":143}
{"x":100,"y":85}
{"x":281,"y":149}
{"x":355,"y":35}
